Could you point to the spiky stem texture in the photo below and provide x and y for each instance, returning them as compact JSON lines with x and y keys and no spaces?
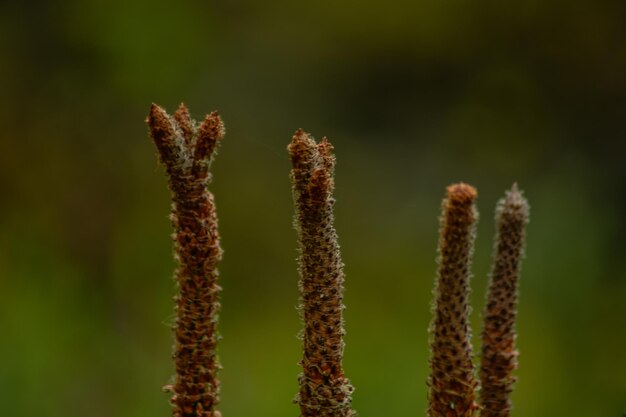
{"x":324,"y":390}
{"x":452,"y":382}
{"x":186,"y":150}
{"x":499,"y":356}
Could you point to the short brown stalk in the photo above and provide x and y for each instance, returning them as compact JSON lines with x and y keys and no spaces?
{"x":452,"y":383}
{"x":499,"y":355}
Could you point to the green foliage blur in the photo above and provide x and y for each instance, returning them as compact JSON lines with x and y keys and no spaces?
{"x":414,"y":96}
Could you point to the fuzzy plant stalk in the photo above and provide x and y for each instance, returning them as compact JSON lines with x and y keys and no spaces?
{"x":186,"y":149}
{"x":499,"y":356}
{"x":452,"y":383}
{"x":324,"y":390}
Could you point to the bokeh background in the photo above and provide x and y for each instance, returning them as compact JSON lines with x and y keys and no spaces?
{"x":414,"y":96}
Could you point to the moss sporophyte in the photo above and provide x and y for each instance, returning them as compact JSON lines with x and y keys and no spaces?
{"x":186,"y":150}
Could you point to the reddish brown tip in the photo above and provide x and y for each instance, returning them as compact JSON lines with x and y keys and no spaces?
{"x":299,"y":139}
{"x":303,"y":152}
{"x":162,"y":131}
{"x":210,"y":132}
{"x":461,"y":193}
{"x":326,"y":149}
{"x":185,"y":123}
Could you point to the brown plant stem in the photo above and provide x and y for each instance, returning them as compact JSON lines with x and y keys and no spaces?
{"x":186,"y":150}
{"x":452,"y":382}
{"x":499,"y":356}
{"x":324,"y":390}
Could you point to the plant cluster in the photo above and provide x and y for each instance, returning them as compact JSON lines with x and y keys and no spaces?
{"x":186,"y":150}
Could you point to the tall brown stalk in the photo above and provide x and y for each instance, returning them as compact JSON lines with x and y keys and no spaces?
{"x":499,"y":356}
{"x":186,"y":150}
{"x":324,"y":390}
{"x":452,"y":383}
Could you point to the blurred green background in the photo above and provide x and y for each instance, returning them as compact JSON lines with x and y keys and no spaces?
{"x":414,"y":96}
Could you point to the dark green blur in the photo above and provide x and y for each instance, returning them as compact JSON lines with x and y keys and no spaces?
{"x":414,"y":96}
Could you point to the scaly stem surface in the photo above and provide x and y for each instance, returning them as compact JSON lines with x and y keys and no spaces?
{"x":324,"y":390}
{"x":186,"y":150}
{"x":499,"y":356}
{"x":452,"y":382}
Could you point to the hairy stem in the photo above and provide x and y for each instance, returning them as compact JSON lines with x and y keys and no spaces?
{"x":452,"y":382}
{"x":499,"y":356}
{"x":324,"y":390}
{"x":186,"y":149}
